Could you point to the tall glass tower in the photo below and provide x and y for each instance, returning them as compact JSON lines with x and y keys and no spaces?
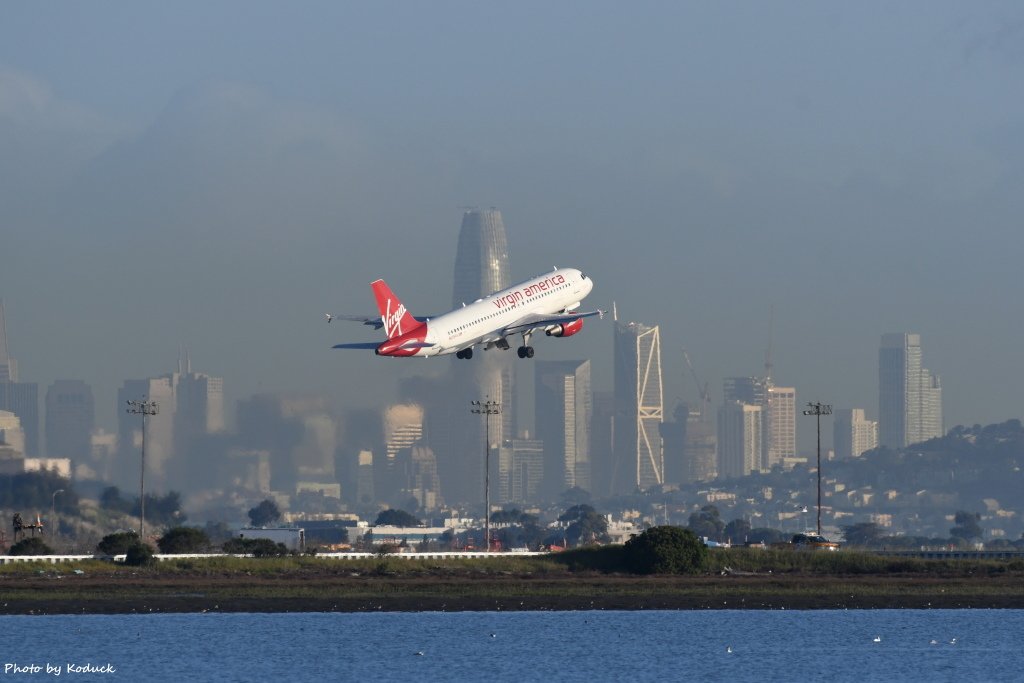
{"x":481,"y":260}
{"x":909,"y":396}
{"x":481,"y":268}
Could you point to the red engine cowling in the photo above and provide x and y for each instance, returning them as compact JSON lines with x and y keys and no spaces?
{"x":565,"y":329}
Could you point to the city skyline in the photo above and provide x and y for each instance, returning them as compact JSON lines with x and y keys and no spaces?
{"x":855,"y":175}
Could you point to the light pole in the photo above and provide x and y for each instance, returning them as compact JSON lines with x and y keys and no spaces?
{"x":53,"y":512}
{"x":486,"y":408}
{"x":818,"y":409}
{"x":143,"y":408}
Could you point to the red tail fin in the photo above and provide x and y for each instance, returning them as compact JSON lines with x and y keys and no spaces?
{"x":397,"y":320}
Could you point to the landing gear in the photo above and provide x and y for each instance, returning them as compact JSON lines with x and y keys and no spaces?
{"x":464,"y":354}
{"x":525,"y":351}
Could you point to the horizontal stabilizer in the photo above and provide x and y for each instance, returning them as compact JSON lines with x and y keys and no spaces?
{"x":357,"y":345}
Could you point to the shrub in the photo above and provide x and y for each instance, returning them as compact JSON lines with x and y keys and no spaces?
{"x":117,"y":544}
{"x":139,"y":555}
{"x":605,"y":558}
{"x":30,"y":546}
{"x":257,"y":547}
{"x":666,"y":550}
{"x":184,"y":539}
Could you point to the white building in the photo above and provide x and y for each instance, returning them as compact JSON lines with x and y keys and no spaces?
{"x":853,"y":433}
{"x":739,"y":439}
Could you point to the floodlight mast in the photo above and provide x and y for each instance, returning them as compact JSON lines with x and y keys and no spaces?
{"x":818,"y":409}
{"x":486,"y":408}
{"x":143,"y":408}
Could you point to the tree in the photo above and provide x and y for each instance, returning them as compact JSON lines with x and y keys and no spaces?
{"x":164,"y":509}
{"x":575,"y":496}
{"x":30,"y":546}
{"x":707,"y":523}
{"x":864,"y":534}
{"x":967,"y":526}
{"x":523,"y":529}
{"x":666,"y":550}
{"x":392,"y":517}
{"x":265,"y":513}
{"x":184,"y":539}
{"x":117,"y":544}
{"x":111,"y":500}
{"x":737,"y":531}
{"x":139,"y":555}
{"x":585,"y":525}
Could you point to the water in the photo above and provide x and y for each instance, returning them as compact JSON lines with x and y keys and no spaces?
{"x":525,"y":646}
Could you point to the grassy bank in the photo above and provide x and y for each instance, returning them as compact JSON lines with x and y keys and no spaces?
{"x":735,"y":578}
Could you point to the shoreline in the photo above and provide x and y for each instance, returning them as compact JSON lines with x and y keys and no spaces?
{"x":138,"y":594}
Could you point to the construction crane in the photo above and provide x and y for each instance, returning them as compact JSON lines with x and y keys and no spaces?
{"x":705,"y":395}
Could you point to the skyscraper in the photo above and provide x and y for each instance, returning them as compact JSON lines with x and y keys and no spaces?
{"x":481,"y":268}
{"x":853,"y":433}
{"x":778,"y":416}
{"x":638,"y":408}
{"x":563,"y":408}
{"x":159,"y":435}
{"x":20,"y":398}
{"x":520,"y":470}
{"x":780,"y":428}
{"x":70,"y":420}
{"x":739,"y":439}
{"x":481,"y":259}
{"x":909,"y":396}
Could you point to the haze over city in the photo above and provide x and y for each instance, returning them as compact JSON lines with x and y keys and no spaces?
{"x":221,"y":176}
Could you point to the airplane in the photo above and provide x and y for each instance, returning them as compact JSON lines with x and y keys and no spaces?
{"x":547,"y":302}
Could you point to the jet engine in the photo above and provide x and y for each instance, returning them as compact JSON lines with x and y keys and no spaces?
{"x":564,"y":329}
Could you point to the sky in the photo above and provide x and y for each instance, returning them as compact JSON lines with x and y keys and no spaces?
{"x":218,"y":175}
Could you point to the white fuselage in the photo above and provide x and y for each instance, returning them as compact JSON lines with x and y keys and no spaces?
{"x":483,"y":320}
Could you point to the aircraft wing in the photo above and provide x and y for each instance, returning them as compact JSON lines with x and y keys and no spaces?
{"x":373,"y":345}
{"x":374,"y":321}
{"x":537,"y":320}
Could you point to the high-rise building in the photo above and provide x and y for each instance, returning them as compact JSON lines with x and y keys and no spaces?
{"x":563,"y":408}
{"x":780,"y":427}
{"x":70,"y":420}
{"x":673,"y":446}
{"x":909,"y":396}
{"x":778,"y":416}
{"x":200,"y":398}
{"x":602,"y":449}
{"x":853,"y":433}
{"x":520,"y":470}
{"x":481,"y":268}
{"x":418,"y":467}
{"x":481,"y":260}
{"x":12,"y":436}
{"x":403,"y":427}
{"x":179,"y":450}
{"x":20,"y":398}
{"x":638,"y":408}
{"x":751,"y":390}
{"x":159,"y":435}
{"x":739,"y":439}
{"x":701,"y":447}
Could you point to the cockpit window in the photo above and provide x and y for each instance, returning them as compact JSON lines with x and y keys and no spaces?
{"x":583,"y":275}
